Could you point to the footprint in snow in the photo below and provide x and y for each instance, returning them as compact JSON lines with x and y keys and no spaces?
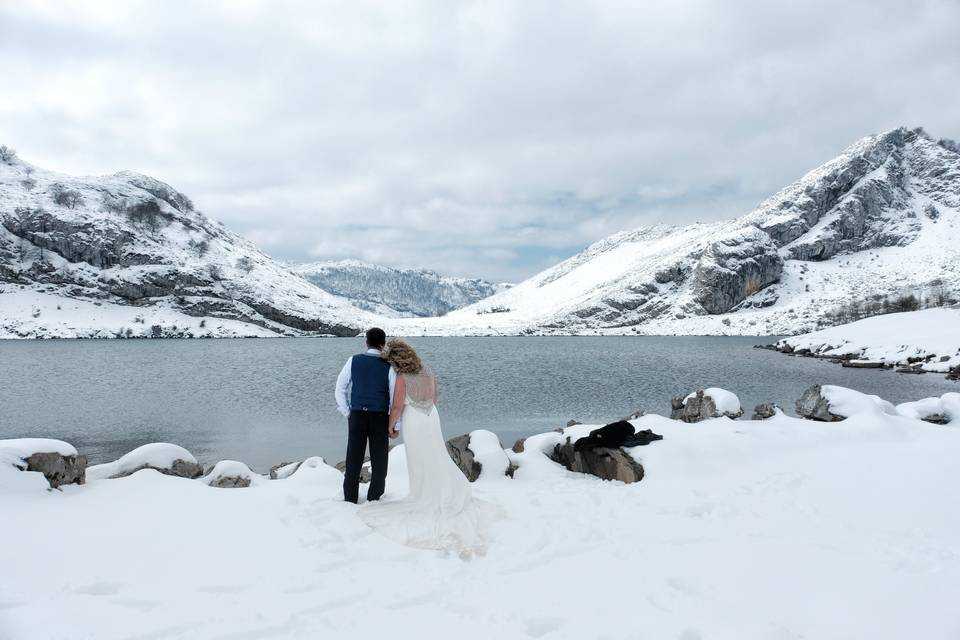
{"x":99,"y":589}
{"x":222,"y":588}
{"x":539,"y":627}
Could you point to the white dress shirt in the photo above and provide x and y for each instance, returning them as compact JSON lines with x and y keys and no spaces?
{"x":345,"y":384}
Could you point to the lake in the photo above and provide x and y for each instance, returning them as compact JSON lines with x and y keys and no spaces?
{"x":267,"y":401}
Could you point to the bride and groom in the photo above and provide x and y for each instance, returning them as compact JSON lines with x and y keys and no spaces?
{"x":386,"y":390}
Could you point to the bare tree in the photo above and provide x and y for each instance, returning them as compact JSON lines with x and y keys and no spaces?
{"x":7,"y":155}
{"x":201,"y":247}
{"x":245,"y":264}
{"x":69,"y":198}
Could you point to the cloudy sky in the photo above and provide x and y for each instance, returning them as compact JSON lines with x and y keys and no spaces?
{"x":477,"y":138}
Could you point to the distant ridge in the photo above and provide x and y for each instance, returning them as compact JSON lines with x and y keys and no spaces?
{"x":396,"y":292}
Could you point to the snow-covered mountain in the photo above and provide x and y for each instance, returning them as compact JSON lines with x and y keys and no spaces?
{"x":396,"y":292}
{"x":126,"y":254}
{"x":881,"y":219}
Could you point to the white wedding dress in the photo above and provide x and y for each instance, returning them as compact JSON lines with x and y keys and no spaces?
{"x":440,"y":512}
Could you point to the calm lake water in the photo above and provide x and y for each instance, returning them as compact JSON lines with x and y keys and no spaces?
{"x":266,"y":401}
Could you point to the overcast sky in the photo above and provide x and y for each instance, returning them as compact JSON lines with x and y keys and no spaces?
{"x":486,"y":139}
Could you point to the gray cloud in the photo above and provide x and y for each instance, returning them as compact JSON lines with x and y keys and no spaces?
{"x":477,"y":138}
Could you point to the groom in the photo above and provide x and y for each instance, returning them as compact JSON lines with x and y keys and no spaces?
{"x":364,"y":393}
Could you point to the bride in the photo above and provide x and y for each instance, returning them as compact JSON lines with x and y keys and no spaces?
{"x":439,"y":512}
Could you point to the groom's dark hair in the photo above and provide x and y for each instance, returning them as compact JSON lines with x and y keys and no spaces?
{"x":376,"y":338}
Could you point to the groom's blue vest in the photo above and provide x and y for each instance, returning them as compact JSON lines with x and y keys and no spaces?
{"x":370,"y":380}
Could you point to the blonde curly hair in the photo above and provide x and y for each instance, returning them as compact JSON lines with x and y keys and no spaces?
{"x":402,"y":356}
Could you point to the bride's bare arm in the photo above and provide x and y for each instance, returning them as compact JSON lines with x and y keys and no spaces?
{"x":396,"y":410}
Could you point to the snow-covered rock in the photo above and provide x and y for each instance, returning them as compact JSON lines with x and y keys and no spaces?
{"x":942,"y":410}
{"x":703,"y":404}
{"x":56,"y":460}
{"x":479,"y":454}
{"x":488,"y":452}
{"x":126,"y":255}
{"x":284,"y":470}
{"x":230,"y":474}
{"x":765,"y":411}
{"x":881,"y":219}
{"x":830,"y":403}
{"x":168,"y":459}
{"x":396,"y":292}
{"x":603,"y":462}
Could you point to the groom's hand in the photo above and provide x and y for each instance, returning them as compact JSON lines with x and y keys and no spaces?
{"x":394,"y":433}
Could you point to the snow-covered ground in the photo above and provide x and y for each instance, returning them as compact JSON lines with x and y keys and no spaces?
{"x":931,"y":336}
{"x":28,"y":313}
{"x":781,"y":529}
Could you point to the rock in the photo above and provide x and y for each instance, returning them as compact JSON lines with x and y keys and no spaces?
{"x":284,"y":470}
{"x":639,"y":413}
{"x":862,"y":364}
{"x":734,"y":268}
{"x":59,"y":469}
{"x":163,"y":457}
{"x":765,"y":411}
{"x":230,"y":482}
{"x":700,"y":406}
{"x":518,"y":445}
{"x":909,"y":370}
{"x":813,"y":406}
{"x":936,"y":418}
{"x":954,"y":373}
{"x":230,"y":474}
{"x":179,"y":468}
{"x":573,"y":423}
{"x":364,"y":470}
{"x":604,"y":463}
{"x":459,"y":450}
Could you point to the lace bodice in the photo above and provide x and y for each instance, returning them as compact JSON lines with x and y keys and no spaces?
{"x":422,"y":392}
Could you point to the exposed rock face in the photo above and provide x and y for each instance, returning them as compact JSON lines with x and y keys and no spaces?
{"x":697,"y":407}
{"x":518,"y":445}
{"x":813,"y":406}
{"x":59,"y":469}
{"x":459,"y":450}
{"x":735,"y":267}
{"x":604,"y":463}
{"x":765,"y":411}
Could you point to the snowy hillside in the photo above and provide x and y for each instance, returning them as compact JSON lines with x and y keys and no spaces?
{"x":882,"y":219}
{"x":927,"y":340}
{"x":396,"y":292}
{"x":128,"y":255}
